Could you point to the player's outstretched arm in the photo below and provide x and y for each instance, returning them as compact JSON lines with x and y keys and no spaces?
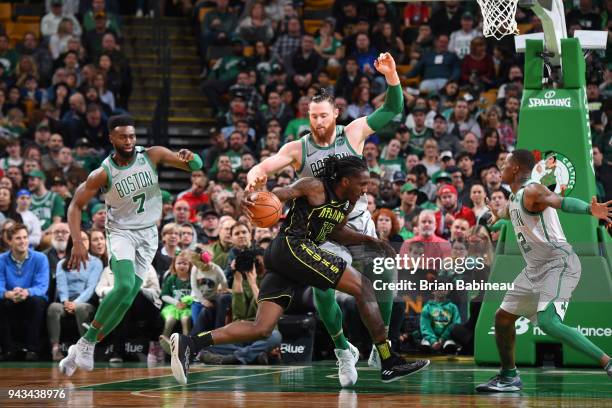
{"x":537,"y":198}
{"x":289,"y":154}
{"x":305,"y":187}
{"x":358,"y":130}
{"x":82,"y":196}
{"x":184,"y":159}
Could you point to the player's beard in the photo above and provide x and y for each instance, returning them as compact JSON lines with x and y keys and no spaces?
{"x":125,"y":155}
{"x":323,"y":134}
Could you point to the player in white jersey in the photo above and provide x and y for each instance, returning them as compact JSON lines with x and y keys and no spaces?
{"x":544,"y":287}
{"x":128,"y":178}
{"x":307,"y":156}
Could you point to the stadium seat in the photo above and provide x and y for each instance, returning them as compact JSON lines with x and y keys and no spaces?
{"x":403,"y":69}
{"x":318,"y":4}
{"x":29,"y":19}
{"x":6,"y":12}
{"x":490,"y":96}
{"x":311,"y":26}
{"x":248,"y":51}
{"x":333,"y":72}
{"x":16,"y":31}
{"x":203,"y":12}
{"x":29,"y":10}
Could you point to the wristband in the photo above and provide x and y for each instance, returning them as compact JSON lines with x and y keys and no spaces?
{"x":195,"y":163}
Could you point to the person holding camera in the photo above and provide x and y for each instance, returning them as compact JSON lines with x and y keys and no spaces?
{"x":208,"y":284}
{"x":245,"y":290}
{"x":240,"y":234}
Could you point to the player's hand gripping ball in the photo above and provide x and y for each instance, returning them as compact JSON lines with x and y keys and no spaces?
{"x":265,"y":209}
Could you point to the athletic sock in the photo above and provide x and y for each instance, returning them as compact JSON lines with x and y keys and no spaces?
{"x":384,"y":351}
{"x":331,"y":315}
{"x":92,"y":333}
{"x":512,"y":372}
{"x":200,"y":341}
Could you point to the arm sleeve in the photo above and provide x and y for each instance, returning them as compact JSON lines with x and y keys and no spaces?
{"x":41,"y":277}
{"x":95,"y":269}
{"x":575,"y":206}
{"x":394,"y":103}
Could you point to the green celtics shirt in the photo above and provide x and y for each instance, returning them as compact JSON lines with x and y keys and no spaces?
{"x":46,"y":207}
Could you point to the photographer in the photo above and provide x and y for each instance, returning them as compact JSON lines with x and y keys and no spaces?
{"x":245,"y":289}
{"x":240,"y":234}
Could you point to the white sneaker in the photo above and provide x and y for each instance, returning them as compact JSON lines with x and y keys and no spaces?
{"x":139,"y":13}
{"x":68,"y":366}
{"x":374,"y":360}
{"x":347,"y":373}
{"x":85,"y":354}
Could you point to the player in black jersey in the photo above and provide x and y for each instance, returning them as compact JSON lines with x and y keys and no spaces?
{"x":318,"y":212}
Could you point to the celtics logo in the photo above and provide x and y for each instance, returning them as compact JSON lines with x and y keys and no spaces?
{"x":554,"y":171}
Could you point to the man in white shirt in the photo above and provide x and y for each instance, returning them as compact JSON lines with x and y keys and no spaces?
{"x":460,"y":40}
{"x":50,"y":22}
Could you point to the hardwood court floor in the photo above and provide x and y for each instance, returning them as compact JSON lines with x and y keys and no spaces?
{"x":445,"y":383}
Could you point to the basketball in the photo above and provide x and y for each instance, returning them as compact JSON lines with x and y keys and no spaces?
{"x":267,"y":209}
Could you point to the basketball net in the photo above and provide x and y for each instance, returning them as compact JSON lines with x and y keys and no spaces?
{"x":498,"y":17}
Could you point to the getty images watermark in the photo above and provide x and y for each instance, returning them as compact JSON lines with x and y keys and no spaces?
{"x":457,"y":267}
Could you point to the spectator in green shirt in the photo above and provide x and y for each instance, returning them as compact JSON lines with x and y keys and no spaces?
{"x":99,"y":7}
{"x":46,"y":205}
{"x":8,"y":56}
{"x":224,"y":73}
{"x":300,"y":123}
{"x":217,"y":27}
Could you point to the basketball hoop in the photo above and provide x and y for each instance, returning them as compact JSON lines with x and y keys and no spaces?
{"x":498,"y":17}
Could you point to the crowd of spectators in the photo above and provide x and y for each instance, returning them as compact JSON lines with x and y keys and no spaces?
{"x":432,"y":167}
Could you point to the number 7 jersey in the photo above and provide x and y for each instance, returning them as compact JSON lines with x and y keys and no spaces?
{"x":539,"y":235}
{"x":133,"y":198}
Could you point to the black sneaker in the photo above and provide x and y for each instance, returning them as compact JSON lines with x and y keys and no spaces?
{"x":180,"y":351}
{"x":399,"y":368}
